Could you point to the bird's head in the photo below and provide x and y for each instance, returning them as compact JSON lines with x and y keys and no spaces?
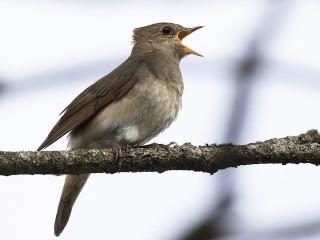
{"x":166,"y":37}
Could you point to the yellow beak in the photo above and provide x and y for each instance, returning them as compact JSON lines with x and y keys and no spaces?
{"x":182,"y":34}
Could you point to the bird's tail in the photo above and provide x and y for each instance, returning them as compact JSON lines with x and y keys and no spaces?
{"x":71,"y":190}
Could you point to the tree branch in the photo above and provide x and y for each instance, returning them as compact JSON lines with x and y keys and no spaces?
{"x":304,"y":148}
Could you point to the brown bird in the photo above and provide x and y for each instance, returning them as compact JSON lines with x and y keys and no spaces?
{"x":129,"y":106}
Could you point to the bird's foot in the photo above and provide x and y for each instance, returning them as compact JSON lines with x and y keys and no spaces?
{"x":160,"y":145}
{"x":117,"y":152}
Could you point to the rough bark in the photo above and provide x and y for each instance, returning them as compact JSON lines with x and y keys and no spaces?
{"x":304,"y":148}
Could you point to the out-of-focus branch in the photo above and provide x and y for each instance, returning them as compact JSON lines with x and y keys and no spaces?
{"x":304,"y":148}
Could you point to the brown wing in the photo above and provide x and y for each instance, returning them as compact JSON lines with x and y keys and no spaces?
{"x":97,"y":96}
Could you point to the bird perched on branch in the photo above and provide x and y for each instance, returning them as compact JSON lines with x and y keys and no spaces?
{"x":129,"y":106}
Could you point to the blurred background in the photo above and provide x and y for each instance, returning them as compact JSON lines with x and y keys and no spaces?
{"x":259,"y":79}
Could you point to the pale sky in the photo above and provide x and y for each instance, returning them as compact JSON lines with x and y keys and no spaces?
{"x":76,"y":43}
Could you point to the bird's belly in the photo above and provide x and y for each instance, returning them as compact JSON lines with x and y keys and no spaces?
{"x":153,"y":109}
{"x":136,"y":118}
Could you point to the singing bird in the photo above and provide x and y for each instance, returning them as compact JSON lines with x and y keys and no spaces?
{"x":129,"y":106}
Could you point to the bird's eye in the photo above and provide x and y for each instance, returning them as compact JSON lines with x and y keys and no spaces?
{"x":166,"y":30}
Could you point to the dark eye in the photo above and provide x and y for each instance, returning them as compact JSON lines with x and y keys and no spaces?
{"x":166,"y":30}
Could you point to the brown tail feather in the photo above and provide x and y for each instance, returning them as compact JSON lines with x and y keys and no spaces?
{"x":71,"y":190}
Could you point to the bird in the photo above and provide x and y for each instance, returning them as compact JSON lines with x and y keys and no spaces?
{"x":129,"y":106}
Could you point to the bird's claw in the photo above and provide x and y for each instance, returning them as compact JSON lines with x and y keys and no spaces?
{"x":117,"y":152}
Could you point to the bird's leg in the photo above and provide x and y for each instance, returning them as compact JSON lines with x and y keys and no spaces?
{"x":117,"y":152}
{"x":160,"y":145}
{"x":118,"y":155}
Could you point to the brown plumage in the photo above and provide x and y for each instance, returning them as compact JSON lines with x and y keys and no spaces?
{"x":99,"y":95}
{"x":130,"y":105}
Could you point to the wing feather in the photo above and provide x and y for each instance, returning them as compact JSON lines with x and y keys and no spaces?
{"x":109,"y":88}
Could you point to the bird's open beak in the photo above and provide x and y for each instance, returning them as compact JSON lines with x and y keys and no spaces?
{"x":182,"y":34}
